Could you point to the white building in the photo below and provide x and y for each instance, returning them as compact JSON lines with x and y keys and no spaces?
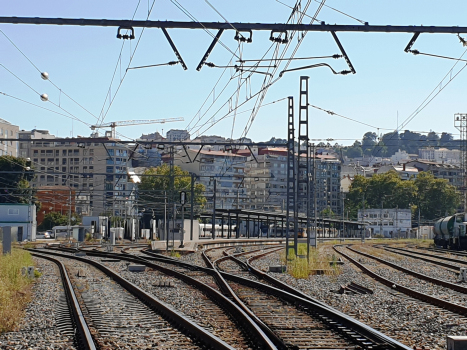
{"x":390,"y":223}
{"x":22,"y":216}
{"x":177,"y":135}
{"x":8,"y":131}
{"x":440,"y":155}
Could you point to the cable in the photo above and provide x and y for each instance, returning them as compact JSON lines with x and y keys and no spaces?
{"x":225,"y":19}
{"x":30,"y":87}
{"x":126,"y":72}
{"x":30,"y":103}
{"x":47,"y":78}
{"x":339,"y":115}
{"x":418,"y":110}
{"x":188,"y":14}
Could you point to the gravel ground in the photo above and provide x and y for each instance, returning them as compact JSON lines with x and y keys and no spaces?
{"x":402,"y":318}
{"x":414,"y":264}
{"x":186,"y":299}
{"x":462,"y":259}
{"x":39,"y":328}
{"x":411,"y":282}
{"x":117,"y":319}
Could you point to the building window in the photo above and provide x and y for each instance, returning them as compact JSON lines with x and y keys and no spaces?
{"x":13,"y":211}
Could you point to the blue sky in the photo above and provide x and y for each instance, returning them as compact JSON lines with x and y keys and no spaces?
{"x":81,"y":62}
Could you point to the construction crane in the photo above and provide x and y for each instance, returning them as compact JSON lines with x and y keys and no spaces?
{"x":113,"y":125}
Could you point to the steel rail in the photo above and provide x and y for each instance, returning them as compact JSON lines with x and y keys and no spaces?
{"x":283,"y":286}
{"x":256,"y":333}
{"x":410,"y":292}
{"x":444,"y":257}
{"x":225,"y":287}
{"x":408,"y":253}
{"x":182,"y":323}
{"x":445,"y":251}
{"x":323,"y":27}
{"x":421,"y":276}
{"x":85,"y":339}
{"x":305,"y":301}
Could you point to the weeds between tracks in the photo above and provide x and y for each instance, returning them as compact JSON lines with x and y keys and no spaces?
{"x":15,"y":288}
{"x":319,"y":262}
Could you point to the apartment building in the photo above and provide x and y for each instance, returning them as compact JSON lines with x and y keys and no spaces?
{"x":266,"y":181}
{"x":328,"y":184}
{"x":452,"y":173}
{"x":8,"y":131}
{"x":391,"y":223}
{"x":225,"y":168}
{"x":440,"y":155}
{"x":177,"y":135}
{"x":97,"y":172}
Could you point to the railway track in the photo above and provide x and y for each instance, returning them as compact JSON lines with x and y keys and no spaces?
{"x":287,"y":314}
{"x":398,"y":283}
{"x":181,"y":289}
{"x":291,"y":321}
{"x":66,"y":327}
{"x":443,"y":257}
{"x":432,"y":259}
{"x":122,"y":315}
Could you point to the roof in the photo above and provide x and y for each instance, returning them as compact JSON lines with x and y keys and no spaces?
{"x":5,"y":122}
{"x":58,"y":188}
{"x":407,"y":168}
{"x":219,"y":153}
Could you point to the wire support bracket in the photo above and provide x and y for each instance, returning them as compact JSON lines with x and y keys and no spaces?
{"x":208,"y":52}
{"x":347,"y":59}
{"x":174,"y":48}
{"x":411,"y":42}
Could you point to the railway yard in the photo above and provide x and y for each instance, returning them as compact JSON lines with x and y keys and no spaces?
{"x":385,"y":295}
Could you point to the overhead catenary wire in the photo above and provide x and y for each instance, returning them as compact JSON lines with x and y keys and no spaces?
{"x":188,"y":14}
{"x":49,"y":79}
{"x":132,"y":55}
{"x":39,"y":94}
{"x":300,"y":40}
{"x":70,"y":115}
{"x":425,"y":103}
{"x":119,"y":61}
{"x":341,"y":116}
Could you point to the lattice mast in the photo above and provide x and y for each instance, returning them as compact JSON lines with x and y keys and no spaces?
{"x":291,"y":211}
{"x":460,"y":122}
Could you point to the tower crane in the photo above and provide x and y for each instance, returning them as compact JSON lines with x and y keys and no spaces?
{"x":113,"y":125}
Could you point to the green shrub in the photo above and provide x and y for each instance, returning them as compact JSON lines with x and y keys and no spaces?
{"x":14,"y":287}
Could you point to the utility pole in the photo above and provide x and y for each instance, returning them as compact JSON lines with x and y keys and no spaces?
{"x":69,"y":212}
{"x":381,"y":219}
{"x":182,"y":202}
{"x":166,"y":224}
{"x":460,"y":122}
{"x":315,"y":199}
{"x":213,"y":229}
{"x":192,"y":204}
{"x":363,"y":219}
{"x":343,"y":215}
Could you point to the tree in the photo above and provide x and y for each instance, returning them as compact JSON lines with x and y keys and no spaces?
{"x":355,"y":150}
{"x":15,"y":180}
{"x":55,"y":218}
{"x":369,"y":142}
{"x":434,"y":197}
{"x":155,"y":186}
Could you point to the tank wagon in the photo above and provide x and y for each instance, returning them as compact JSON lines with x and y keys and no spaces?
{"x":450,"y":232}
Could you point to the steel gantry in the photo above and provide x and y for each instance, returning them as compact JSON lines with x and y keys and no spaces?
{"x":238,"y":27}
